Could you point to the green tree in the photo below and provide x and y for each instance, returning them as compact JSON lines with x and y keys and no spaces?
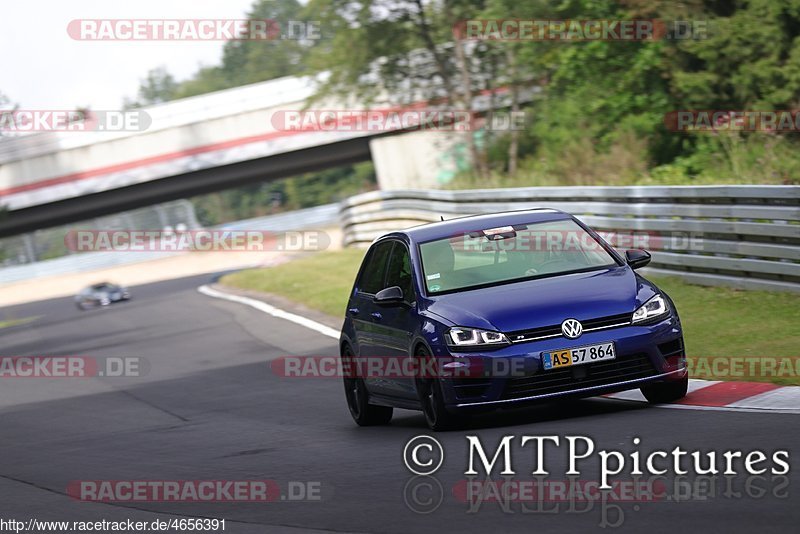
{"x":157,"y":87}
{"x":244,"y":61}
{"x":250,"y":61}
{"x":406,"y":51}
{"x":6,"y":108}
{"x":751,"y":58}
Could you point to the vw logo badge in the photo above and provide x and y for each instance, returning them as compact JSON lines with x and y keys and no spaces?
{"x":571,"y":328}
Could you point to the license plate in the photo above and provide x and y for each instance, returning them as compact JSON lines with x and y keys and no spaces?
{"x":578,"y":355}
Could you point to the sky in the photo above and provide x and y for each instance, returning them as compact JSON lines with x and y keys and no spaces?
{"x":42,"y":67}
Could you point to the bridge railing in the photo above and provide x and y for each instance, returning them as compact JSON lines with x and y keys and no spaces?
{"x":741,"y":236}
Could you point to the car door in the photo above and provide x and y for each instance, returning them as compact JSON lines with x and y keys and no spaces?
{"x":394,"y":325}
{"x":361,"y":306}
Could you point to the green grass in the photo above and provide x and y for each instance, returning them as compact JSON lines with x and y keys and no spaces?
{"x":722,"y":322}
{"x":727,"y":322}
{"x":717,"y":322}
{"x":320,"y":281}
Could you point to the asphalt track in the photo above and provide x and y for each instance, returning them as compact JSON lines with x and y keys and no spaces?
{"x":210,"y":408}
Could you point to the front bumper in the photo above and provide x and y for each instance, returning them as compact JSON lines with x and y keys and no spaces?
{"x":514,"y":374}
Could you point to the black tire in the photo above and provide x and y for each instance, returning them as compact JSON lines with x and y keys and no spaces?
{"x":432,"y":400}
{"x":665,"y":392}
{"x":363,"y":413}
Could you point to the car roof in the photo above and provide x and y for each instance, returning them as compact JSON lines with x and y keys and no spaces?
{"x":472,"y":223}
{"x":100,"y":285}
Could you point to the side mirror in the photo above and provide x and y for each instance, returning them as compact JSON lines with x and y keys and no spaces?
{"x":389,"y":296}
{"x":637,"y":258}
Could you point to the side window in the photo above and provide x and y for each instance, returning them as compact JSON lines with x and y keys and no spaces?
{"x":399,"y":273}
{"x":372,"y":274}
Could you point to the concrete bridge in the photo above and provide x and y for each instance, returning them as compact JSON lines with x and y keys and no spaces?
{"x":199,"y":145}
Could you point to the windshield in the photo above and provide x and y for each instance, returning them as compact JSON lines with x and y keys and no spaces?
{"x":501,"y":255}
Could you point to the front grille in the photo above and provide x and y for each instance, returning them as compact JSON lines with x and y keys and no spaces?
{"x":604,"y":322}
{"x":519,"y":336}
{"x":580,"y":376}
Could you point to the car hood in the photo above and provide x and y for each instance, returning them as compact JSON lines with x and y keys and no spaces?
{"x":543,"y":302}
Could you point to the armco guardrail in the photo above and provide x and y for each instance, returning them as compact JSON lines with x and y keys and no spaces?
{"x":742,"y":236}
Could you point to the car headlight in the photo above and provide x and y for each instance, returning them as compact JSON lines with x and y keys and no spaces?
{"x":475,"y":337}
{"x":655,"y":307}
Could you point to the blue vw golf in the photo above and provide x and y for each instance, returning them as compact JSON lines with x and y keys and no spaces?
{"x":496,"y":310}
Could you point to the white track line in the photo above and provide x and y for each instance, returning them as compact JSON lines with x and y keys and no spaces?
{"x":780,"y":399}
{"x":728,"y":408}
{"x":271,"y":310}
{"x":785,"y":400}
